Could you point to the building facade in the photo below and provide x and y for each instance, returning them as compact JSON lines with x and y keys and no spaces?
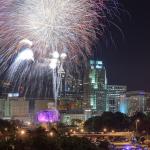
{"x":95,"y":86}
{"x":16,"y":108}
{"x":2,"y":107}
{"x":138,"y":101}
{"x":40,"y":105}
{"x":68,"y":118}
{"x":116,"y":98}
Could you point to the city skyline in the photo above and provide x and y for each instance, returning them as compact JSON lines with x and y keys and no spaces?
{"x":128,"y":52}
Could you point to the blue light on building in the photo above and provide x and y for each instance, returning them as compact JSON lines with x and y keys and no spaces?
{"x":123,"y":107}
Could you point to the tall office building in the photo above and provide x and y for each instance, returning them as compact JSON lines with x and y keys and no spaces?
{"x":138,"y":101}
{"x":71,"y":98}
{"x":95,"y":86}
{"x":73,"y":87}
{"x":116,"y":98}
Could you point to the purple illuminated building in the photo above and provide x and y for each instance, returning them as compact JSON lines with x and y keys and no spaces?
{"x":46,"y":116}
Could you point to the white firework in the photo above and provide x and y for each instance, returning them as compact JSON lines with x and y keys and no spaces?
{"x":46,"y":26}
{"x":52,"y":25}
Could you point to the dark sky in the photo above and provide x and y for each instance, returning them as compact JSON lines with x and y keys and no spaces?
{"x":126,"y":53}
{"x":125,"y":50}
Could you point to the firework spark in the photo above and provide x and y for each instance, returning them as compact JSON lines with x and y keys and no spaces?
{"x":46,"y":26}
{"x":52,"y":25}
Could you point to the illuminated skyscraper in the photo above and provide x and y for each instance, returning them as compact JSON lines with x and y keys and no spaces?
{"x":95,"y":86}
{"x":71,"y":97}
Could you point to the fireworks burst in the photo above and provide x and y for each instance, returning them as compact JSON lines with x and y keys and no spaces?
{"x":41,"y":28}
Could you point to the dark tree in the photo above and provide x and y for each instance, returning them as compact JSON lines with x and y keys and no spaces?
{"x":112,"y":121}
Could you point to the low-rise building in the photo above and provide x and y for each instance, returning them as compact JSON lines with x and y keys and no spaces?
{"x":138,"y":101}
{"x":69,"y":117}
{"x":40,"y":105}
{"x":17,"y":109}
{"x":116,"y":98}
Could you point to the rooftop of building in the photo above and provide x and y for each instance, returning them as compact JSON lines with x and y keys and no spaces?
{"x":117,"y":87}
{"x":137,"y":93}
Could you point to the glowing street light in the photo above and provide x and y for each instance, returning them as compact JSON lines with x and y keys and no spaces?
{"x":82,"y":130}
{"x":136,"y":123}
{"x":105,"y":130}
{"x":113,"y":131}
{"x":77,"y":128}
{"x":28,"y":123}
{"x":22,"y":132}
{"x":6,"y":129}
{"x":51,"y":134}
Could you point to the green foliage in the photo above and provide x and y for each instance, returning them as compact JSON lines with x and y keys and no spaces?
{"x":40,"y":140}
{"x":76,"y":143}
{"x":62,"y":143}
{"x":104,"y":145}
{"x":143,"y":124}
{"x":7,"y":126}
{"x":118,"y":122}
{"x":5,"y":145}
{"x":75,"y":122}
{"x":112,"y":121}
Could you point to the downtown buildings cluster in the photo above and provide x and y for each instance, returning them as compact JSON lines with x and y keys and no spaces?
{"x":81,"y":97}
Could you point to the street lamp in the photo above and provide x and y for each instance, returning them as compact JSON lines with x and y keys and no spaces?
{"x":22,"y":132}
{"x":28,"y":123}
{"x":113,"y":131}
{"x":82,"y":130}
{"x":6,"y":129}
{"x":105,"y":130}
{"x":51,"y":134}
{"x":136,"y":123}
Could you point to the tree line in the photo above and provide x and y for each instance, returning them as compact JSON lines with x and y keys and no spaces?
{"x":119,"y":122}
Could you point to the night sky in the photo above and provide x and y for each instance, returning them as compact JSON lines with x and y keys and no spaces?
{"x":126,"y":51}
{"x":125,"y":45}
